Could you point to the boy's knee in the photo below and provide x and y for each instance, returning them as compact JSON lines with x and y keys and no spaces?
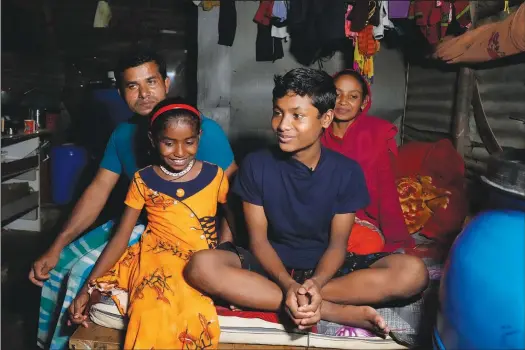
{"x":200,"y":267}
{"x":413,"y":274}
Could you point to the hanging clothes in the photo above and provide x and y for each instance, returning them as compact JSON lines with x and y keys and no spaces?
{"x":227,"y":22}
{"x":267,"y":47}
{"x":365,"y":49}
{"x":384,"y":21}
{"x":398,"y":9}
{"x":373,"y":12}
{"x":208,"y":5}
{"x":279,"y":20}
{"x":102,"y":15}
{"x":348,"y":25}
{"x":433,"y":17}
{"x":317,"y":28}
{"x":264,"y":12}
{"x":280,"y":10}
{"x":279,"y":29}
{"x":359,"y":16}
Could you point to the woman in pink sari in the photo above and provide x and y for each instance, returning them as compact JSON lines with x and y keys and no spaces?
{"x":371,"y":142}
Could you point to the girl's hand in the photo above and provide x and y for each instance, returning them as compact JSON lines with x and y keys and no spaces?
{"x":78,"y":309}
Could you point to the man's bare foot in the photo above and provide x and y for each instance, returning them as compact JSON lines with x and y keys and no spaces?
{"x":364,"y":317}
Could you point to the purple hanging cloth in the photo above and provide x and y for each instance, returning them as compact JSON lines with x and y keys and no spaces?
{"x":398,"y":8}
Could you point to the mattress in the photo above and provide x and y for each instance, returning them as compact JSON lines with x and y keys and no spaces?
{"x":237,"y":330}
{"x":265,"y":328}
{"x":254,"y":330}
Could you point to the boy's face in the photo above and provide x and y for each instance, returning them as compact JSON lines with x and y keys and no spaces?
{"x":297,"y":123}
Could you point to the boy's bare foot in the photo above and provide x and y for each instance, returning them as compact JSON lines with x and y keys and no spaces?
{"x":235,"y":308}
{"x":364,"y":317}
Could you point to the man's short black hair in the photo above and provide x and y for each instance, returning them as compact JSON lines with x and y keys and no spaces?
{"x":314,"y":83}
{"x":135,"y":57}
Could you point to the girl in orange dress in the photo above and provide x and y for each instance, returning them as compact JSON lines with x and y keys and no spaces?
{"x":180,"y":196}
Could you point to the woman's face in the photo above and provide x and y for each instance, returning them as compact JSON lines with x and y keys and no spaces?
{"x":349,"y":98}
{"x":178,"y":144}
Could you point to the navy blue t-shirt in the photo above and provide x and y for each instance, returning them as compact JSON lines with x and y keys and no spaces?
{"x":300,"y":203}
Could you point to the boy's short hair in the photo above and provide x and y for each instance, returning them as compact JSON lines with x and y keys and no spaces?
{"x":137,"y":56}
{"x":314,"y":83}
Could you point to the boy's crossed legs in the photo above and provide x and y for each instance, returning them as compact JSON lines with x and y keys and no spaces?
{"x":235,"y":276}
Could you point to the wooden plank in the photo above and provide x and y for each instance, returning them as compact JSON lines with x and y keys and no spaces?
{"x":96,"y":337}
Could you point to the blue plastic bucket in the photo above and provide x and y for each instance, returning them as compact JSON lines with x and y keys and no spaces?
{"x":482,"y":292}
{"x":67,"y":163}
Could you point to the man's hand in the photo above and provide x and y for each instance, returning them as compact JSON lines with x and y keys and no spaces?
{"x":296,"y":297}
{"x":40,"y":269}
{"x":78,"y":309}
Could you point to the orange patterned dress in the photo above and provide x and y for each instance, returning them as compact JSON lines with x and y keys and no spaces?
{"x":164,"y":312}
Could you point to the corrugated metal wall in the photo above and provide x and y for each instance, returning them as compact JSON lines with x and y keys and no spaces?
{"x":430,"y":102}
{"x":502,"y":93}
{"x":429,"y":106}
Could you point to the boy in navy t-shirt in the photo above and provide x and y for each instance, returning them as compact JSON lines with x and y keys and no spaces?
{"x":299,"y":202}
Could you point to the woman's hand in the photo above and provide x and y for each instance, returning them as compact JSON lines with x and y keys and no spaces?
{"x":79,"y":308}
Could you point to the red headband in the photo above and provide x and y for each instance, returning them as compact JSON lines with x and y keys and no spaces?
{"x":174,"y":106}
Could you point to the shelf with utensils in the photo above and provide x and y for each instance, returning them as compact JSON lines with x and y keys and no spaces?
{"x":21,"y":183}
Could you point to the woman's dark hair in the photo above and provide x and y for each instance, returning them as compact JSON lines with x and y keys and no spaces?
{"x":356,"y":76}
{"x":314,"y":83}
{"x":144,"y":150}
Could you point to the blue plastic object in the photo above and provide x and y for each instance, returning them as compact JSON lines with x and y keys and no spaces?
{"x":67,"y":163}
{"x":482,"y":293}
{"x":115,"y":105}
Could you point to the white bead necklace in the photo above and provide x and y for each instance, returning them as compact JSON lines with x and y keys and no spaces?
{"x":179,"y":174}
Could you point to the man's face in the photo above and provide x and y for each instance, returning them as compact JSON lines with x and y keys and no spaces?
{"x":143,"y":87}
{"x":297,"y":123}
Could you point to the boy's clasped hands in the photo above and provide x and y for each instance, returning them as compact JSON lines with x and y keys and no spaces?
{"x":303,"y":303}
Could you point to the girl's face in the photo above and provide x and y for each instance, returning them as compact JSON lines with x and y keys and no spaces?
{"x":349,"y":102}
{"x":177,"y":145}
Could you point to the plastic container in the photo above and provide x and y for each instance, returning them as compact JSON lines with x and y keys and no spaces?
{"x":67,"y":163}
{"x":482,"y":292}
{"x":505,"y":180}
